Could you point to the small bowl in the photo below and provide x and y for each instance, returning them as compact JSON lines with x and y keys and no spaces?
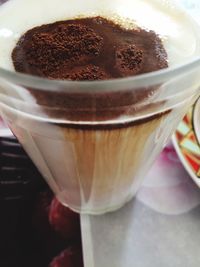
{"x":186,"y":140}
{"x":196,"y":120}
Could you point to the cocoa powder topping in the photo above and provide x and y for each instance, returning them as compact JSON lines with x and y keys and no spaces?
{"x":88,"y":49}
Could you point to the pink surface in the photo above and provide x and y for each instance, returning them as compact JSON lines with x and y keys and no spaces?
{"x":168,"y":188}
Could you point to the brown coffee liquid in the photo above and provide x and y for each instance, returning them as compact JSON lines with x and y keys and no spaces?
{"x":88,"y":49}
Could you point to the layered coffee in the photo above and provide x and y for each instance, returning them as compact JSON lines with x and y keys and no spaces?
{"x":92,"y":147}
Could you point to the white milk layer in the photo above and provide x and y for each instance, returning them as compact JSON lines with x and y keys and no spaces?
{"x":18,"y":16}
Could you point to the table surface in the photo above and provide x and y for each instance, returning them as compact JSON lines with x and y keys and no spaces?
{"x":160,"y":227}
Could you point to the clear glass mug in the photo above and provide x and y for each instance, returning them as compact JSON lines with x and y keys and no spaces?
{"x":94,"y":141}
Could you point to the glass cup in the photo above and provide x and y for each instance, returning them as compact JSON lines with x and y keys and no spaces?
{"x":93,"y":142}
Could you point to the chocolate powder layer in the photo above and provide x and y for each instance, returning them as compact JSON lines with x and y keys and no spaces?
{"x":88,"y":49}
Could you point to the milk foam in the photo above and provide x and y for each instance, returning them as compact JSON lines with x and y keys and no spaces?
{"x":173,"y":25}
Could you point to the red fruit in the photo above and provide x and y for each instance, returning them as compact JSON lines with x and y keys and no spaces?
{"x":71,"y":257}
{"x":49,"y":242}
{"x":63,"y":220}
{"x":41,"y":214}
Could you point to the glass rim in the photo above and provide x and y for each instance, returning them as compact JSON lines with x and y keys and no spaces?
{"x":117,"y":84}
